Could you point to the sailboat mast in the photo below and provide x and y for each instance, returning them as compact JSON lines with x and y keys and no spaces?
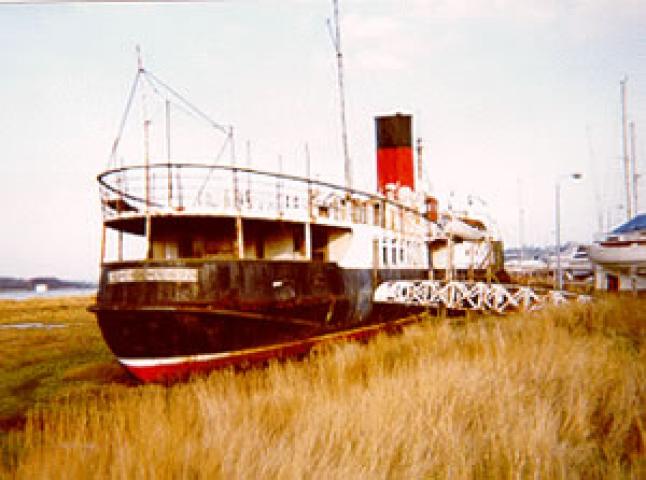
{"x":635,"y":173}
{"x":626,"y":158}
{"x":336,"y":40}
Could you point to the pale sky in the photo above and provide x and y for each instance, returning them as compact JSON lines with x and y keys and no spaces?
{"x":507,"y":96}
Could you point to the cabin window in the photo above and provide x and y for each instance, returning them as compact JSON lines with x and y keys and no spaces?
{"x":414,"y":253}
{"x":384,"y":252}
{"x":165,"y":249}
{"x":401,"y":252}
{"x":376,"y":217}
{"x":324,"y":211}
{"x":358,"y":211}
{"x":394,"y":251}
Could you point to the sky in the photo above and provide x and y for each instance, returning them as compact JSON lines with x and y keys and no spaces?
{"x":509,"y":98}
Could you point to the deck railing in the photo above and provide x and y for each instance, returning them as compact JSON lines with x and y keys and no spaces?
{"x":229,"y":191}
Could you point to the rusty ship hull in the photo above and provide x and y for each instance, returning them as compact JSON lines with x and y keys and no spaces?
{"x":166,"y":320}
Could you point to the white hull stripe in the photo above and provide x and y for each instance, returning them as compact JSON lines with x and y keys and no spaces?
{"x":164,"y":361}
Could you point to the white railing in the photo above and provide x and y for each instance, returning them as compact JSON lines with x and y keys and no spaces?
{"x":224,"y":190}
{"x":476,"y":296}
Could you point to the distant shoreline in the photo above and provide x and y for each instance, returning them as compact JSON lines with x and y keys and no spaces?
{"x":41,"y":284}
{"x":22,"y":294}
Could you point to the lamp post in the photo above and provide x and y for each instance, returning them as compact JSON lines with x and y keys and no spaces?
{"x":558,"y":281}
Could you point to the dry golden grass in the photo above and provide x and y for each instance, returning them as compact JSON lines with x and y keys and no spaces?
{"x":559,"y":393}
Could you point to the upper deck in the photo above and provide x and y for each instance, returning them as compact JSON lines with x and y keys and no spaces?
{"x":130,"y":195}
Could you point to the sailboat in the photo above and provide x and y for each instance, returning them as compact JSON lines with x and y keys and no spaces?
{"x":620,"y":257}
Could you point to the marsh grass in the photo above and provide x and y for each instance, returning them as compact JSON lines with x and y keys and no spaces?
{"x":558,"y":393}
{"x":37,"y":364}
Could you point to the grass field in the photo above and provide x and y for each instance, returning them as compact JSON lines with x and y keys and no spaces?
{"x":558,"y":393}
{"x":37,"y":364}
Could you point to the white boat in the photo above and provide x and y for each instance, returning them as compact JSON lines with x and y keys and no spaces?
{"x":466,"y":229}
{"x":620,"y":258}
{"x":575,"y":261}
{"x":625,"y":246}
{"x":468,"y":244}
{"x":526,"y":266}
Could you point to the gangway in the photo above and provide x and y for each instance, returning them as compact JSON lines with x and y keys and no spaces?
{"x":470,"y":296}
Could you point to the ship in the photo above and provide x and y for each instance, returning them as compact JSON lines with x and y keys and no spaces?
{"x":237,"y":265}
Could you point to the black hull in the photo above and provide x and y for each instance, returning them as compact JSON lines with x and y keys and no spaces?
{"x":234,"y":306}
{"x":157,"y":333}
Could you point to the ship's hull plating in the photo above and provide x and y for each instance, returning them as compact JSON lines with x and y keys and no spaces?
{"x":165,"y":320}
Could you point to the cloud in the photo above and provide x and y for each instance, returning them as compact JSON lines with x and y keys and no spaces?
{"x":388,"y":36}
{"x":364,"y":27}
{"x":529,"y":11}
{"x":379,"y":42}
{"x":373,"y":60}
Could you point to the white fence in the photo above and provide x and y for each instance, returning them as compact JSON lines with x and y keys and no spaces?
{"x":476,"y":296}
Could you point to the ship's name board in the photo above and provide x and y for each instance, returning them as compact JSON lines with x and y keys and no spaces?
{"x":127,"y":275}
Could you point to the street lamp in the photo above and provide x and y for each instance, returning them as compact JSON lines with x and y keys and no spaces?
{"x":558,"y":281}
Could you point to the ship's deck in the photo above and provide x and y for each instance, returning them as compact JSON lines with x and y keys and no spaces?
{"x":130,"y":194}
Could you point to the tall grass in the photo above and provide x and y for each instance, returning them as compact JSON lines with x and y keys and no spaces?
{"x":558,"y":393}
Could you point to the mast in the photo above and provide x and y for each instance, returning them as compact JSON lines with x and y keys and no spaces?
{"x":146,"y":161}
{"x":633,"y":159}
{"x":626,"y":158}
{"x":336,"y":42}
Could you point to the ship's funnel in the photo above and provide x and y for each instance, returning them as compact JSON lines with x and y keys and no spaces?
{"x":394,"y":152}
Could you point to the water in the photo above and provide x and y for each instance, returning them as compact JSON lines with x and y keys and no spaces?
{"x":28,"y":325}
{"x":62,"y":292}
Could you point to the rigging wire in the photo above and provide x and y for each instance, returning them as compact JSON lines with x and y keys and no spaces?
{"x":188,"y":104}
{"x":112,"y":162}
{"x":182,"y":108}
{"x":175,"y":104}
{"x":189,"y":109}
{"x":164,"y":91}
{"x":184,"y":105}
{"x":208,"y":176}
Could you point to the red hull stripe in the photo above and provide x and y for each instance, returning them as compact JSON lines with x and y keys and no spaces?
{"x":179,"y":367}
